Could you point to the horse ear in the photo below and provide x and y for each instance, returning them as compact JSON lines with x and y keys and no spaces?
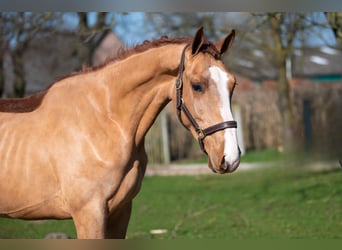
{"x":197,"y":41}
{"x":224,"y":44}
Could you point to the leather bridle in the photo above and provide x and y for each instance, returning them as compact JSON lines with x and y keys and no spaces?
{"x":180,"y":106}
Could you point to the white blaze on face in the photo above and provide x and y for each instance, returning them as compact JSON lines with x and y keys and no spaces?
{"x":220,"y":78}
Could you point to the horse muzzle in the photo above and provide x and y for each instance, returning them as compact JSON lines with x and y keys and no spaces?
{"x":226,"y":165}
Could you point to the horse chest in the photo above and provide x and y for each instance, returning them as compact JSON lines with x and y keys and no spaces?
{"x":130,"y":184}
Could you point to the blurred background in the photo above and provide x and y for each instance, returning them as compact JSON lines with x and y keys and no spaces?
{"x":288,"y":104}
{"x":287,"y":65}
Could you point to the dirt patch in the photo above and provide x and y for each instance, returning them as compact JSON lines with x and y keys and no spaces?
{"x":192,"y":169}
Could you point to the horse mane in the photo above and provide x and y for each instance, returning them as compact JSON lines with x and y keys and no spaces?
{"x":22,"y":105}
{"x":30,"y":103}
{"x":125,"y":52}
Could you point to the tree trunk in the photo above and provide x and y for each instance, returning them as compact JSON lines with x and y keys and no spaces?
{"x":285,"y":106}
{"x":2,"y":78}
{"x":335,"y":21}
{"x":284,"y":90}
{"x":86,"y":32}
{"x":19,"y":84}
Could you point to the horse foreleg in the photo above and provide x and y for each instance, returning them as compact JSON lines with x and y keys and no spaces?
{"x":118,"y":222}
{"x":90,"y":221}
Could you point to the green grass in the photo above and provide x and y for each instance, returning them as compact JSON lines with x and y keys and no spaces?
{"x":265,"y":203}
{"x":270,"y":203}
{"x":21,"y":229}
{"x":266,"y":155}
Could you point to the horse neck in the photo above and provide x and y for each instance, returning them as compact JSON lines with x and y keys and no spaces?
{"x":141,"y":85}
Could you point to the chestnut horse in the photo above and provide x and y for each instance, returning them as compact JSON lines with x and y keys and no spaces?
{"x":76,"y":150}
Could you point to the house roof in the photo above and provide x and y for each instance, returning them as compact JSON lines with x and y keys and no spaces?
{"x":107,"y":45}
{"x":317,"y":61}
{"x":307,"y":62}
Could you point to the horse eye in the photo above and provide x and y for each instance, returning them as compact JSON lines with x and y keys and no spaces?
{"x":197,"y":86}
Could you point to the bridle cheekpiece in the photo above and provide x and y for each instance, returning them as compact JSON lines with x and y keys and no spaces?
{"x":181,"y":107}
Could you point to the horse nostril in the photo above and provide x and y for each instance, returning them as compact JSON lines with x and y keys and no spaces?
{"x":224,"y":164}
{"x":223,"y":160}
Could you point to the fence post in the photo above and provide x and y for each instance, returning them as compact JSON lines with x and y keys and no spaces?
{"x":307,"y":123}
{"x":165,"y":138}
{"x":238,"y":118}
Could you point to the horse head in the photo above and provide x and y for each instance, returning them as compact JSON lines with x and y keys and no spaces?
{"x":204,"y":89}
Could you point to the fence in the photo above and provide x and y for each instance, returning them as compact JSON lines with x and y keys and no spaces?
{"x":318,"y":122}
{"x":317,"y":110}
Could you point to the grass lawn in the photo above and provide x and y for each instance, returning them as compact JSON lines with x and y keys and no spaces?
{"x":266,"y":155}
{"x":270,"y":203}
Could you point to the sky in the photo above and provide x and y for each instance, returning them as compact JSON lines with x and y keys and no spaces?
{"x":132,"y":28}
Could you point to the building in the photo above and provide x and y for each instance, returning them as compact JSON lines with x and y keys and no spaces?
{"x":50,"y":58}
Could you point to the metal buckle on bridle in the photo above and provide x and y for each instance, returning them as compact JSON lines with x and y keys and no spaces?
{"x":179,"y":84}
{"x":200,"y":134}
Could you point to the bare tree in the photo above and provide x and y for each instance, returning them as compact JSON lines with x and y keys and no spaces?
{"x":275,"y":34}
{"x":18,"y":29}
{"x":3,"y":46}
{"x":87,"y":32}
{"x":283,"y":29}
{"x":183,"y":24}
{"x":335,"y":21}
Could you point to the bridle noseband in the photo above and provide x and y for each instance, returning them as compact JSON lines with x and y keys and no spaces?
{"x":180,"y":105}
